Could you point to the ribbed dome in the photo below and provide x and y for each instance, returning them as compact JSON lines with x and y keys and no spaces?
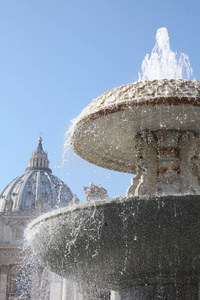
{"x":37,"y":188}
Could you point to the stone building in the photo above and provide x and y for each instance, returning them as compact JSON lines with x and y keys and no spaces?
{"x":27,"y":196}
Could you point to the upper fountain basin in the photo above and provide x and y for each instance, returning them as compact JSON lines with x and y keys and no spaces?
{"x":104,"y":132}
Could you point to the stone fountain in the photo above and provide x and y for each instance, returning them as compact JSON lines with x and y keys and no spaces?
{"x":145,"y":245}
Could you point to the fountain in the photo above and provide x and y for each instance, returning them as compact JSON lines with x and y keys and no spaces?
{"x":145,"y":245}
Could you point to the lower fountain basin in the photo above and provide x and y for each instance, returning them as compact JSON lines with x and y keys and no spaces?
{"x":122,"y":242}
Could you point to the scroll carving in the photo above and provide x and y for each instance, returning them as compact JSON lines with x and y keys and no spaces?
{"x":193,"y":158}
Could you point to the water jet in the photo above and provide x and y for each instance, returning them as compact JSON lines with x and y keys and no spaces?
{"x":145,"y":245}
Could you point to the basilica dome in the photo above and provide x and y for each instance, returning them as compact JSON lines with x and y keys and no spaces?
{"x":37,"y":188}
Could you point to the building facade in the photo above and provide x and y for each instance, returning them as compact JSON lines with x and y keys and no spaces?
{"x":26,"y":197}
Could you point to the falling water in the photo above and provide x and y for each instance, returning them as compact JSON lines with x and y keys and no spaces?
{"x":145,"y":245}
{"x":163,"y":63}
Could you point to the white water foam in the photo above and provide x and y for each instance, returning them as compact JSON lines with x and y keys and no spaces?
{"x":163,"y":63}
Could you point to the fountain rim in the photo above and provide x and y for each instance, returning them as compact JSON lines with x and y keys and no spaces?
{"x":136,"y":101}
{"x":105,"y":202}
{"x":69,"y":209}
{"x":164,"y":100}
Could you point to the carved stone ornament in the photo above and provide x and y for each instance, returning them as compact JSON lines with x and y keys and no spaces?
{"x":186,"y":138}
{"x":194,"y":158}
{"x":95,"y":192}
{"x":9,"y":204}
{"x":145,"y":145}
{"x":74,"y":200}
{"x":4,"y":268}
{"x":142,"y":163}
{"x":149,"y":138}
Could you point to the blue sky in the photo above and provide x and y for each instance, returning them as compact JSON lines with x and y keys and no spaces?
{"x":58,"y":55}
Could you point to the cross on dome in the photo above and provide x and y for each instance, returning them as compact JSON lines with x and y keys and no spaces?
{"x":39,"y":158}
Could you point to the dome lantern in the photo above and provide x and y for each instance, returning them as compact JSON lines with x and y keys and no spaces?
{"x":39,"y":159}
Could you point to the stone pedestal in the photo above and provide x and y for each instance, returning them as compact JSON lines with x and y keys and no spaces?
{"x":168,"y":163}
